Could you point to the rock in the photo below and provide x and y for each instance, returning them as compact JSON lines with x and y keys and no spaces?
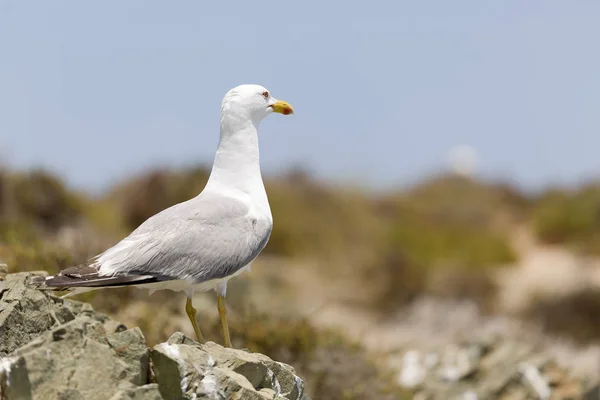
{"x":53,"y":348}
{"x":185,"y":369}
{"x":413,"y":371}
{"x":26,"y":313}
{"x":593,"y":393}
{"x":130,"y":347}
{"x":66,"y":362}
{"x":499,"y":369}
{"x":535,"y":381}
{"x":146,"y":392}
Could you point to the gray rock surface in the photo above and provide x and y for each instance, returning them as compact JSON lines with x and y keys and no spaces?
{"x":53,"y":348}
{"x":211,"y":371}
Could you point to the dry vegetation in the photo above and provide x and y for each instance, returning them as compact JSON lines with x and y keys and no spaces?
{"x":442,"y":237}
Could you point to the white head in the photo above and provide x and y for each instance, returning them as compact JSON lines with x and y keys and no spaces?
{"x":251,"y":102}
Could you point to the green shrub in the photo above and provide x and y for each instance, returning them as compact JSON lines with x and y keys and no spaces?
{"x":43,"y":199}
{"x":569,"y":217}
{"x":447,"y":229}
{"x":429,"y":245}
{"x":313,"y":221}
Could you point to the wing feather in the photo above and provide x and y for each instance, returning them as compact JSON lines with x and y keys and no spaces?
{"x":208,"y":237}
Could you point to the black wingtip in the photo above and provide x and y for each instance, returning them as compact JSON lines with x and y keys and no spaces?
{"x":85,"y":276}
{"x":40,"y":282}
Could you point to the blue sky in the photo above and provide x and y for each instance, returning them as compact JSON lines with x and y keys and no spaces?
{"x":382,"y":90}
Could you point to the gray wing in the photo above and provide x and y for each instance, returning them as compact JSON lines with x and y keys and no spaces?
{"x":208,"y":237}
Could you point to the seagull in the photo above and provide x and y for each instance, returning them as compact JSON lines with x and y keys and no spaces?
{"x":201,"y":243}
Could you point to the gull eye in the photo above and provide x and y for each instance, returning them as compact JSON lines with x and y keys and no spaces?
{"x":266,"y":95}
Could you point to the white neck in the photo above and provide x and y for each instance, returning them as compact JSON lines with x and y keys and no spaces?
{"x":237,"y":165}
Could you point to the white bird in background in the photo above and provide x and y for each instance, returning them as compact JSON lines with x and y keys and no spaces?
{"x":201,"y":243}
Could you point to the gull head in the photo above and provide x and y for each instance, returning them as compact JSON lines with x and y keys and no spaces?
{"x":252,"y":102}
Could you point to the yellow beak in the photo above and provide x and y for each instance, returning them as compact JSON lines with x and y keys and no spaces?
{"x":282,"y":107}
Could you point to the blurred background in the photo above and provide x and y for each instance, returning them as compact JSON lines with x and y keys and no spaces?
{"x":436,"y":196}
